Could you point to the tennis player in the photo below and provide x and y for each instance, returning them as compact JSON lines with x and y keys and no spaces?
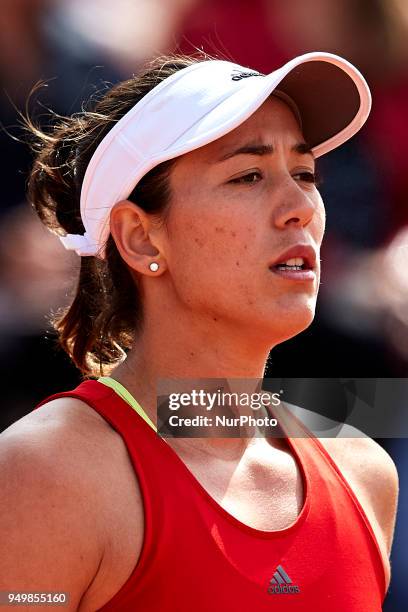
{"x":190,"y":195}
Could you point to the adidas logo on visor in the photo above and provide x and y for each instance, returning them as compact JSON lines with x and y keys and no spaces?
{"x":237,"y":76}
{"x":281,"y":583}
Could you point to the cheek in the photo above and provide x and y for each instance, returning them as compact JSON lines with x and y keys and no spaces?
{"x":215,"y":239}
{"x":321,"y":218}
{"x":211,"y":257}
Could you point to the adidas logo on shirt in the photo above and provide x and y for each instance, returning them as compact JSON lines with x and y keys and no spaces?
{"x":281,"y":583}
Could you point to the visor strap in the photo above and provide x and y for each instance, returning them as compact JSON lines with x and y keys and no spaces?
{"x":82,"y":244}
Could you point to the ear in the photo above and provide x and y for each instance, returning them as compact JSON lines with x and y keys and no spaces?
{"x":132,"y":230}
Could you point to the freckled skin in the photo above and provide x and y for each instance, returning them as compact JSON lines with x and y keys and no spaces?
{"x":261,"y":219}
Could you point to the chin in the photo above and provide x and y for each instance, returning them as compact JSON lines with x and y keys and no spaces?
{"x":290,"y":323}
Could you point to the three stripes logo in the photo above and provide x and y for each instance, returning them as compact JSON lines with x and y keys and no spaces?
{"x":281,"y":583}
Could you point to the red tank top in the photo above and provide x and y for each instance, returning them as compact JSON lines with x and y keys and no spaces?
{"x":197,"y":557}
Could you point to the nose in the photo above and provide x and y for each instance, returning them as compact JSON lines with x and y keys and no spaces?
{"x":296,"y":207}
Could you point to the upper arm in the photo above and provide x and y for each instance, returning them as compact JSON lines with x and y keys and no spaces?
{"x":49,"y":534}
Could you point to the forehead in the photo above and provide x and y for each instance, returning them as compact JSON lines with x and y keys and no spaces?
{"x":273,"y":123}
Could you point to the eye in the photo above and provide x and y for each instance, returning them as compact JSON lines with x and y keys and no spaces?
{"x":307,"y":177}
{"x":251,"y":177}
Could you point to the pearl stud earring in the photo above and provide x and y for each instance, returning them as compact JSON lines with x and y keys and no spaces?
{"x":154,"y":266}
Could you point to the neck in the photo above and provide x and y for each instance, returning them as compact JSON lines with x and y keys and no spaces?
{"x":193,"y":347}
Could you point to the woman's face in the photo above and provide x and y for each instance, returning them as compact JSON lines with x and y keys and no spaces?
{"x":233,"y":217}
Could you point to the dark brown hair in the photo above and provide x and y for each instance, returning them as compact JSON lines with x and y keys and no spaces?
{"x":106,"y":312}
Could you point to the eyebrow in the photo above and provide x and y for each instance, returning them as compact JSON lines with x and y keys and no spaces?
{"x":303,"y":148}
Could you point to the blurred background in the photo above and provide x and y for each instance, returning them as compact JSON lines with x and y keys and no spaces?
{"x":83,"y":46}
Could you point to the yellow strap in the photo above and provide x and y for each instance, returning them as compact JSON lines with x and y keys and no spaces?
{"x":124,"y":394}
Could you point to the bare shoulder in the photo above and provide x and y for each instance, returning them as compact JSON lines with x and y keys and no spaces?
{"x":365,"y":458}
{"x":61,"y":467}
{"x":361,"y":457}
{"x":368,"y":470}
{"x":372,"y":474}
{"x":65,"y":438}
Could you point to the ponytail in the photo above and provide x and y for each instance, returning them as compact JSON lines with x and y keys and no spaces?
{"x":106,"y":313}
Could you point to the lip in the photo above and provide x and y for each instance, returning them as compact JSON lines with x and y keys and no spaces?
{"x":306,"y":251}
{"x":308,"y":273}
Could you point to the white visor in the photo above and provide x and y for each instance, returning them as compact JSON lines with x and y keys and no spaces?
{"x":203,"y":102}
